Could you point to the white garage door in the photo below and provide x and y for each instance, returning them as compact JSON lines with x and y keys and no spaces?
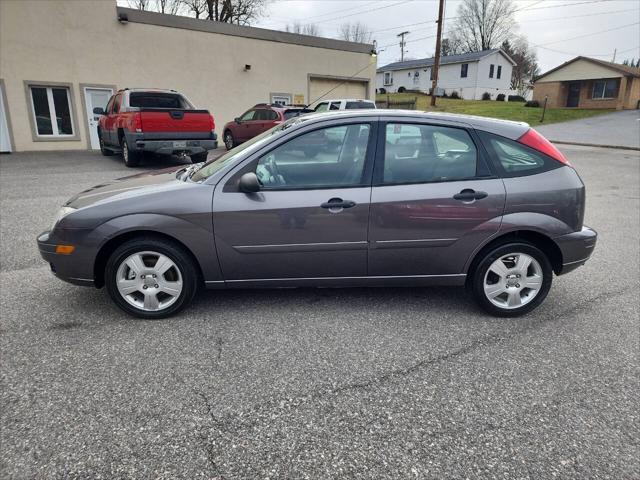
{"x":318,"y":87}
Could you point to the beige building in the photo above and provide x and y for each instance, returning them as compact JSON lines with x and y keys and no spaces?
{"x":589,"y":83}
{"x":59,"y":59}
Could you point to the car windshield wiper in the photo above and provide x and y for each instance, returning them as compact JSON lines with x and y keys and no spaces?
{"x":186,"y":172}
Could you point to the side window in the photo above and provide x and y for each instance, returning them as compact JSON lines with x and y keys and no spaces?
{"x":116,"y":104}
{"x":322,"y":107}
{"x":516,"y":159}
{"x":491,"y":67}
{"x":261,"y":114}
{"x":250,"y":115}
{"x":110,"y":104}
{"x":335,"y":106}
{"x":427,"y":153}
{"x":464,"y":68}
{"x":329,"y":157}
{"x":499,"y":72}
{"x":272,"y":115}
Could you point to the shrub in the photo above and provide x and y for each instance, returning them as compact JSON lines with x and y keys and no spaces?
{"x":444,"y":94}
{"x":500,"y":97}
{"x":402,"y":90}
{"x":382,"y":90}
{"x":515,"y":98}
{"x":455,"y":94}
{"x":532,"y":103}
{"x":486,"y":96}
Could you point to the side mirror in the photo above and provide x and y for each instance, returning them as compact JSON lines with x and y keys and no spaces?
{"x":237,"y":120}
{"x":98,"y":111}
{"x":249,"y":183}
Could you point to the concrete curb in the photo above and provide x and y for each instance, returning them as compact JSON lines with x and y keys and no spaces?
{"x":618,"y":147}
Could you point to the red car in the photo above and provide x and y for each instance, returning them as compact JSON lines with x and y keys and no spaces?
{"x":150,"y":120}
{"x":258,"y":119}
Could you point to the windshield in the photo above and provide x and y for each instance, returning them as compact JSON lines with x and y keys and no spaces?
{"x":228,"y":158}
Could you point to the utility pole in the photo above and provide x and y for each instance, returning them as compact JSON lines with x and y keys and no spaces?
{"x":436,"y":63}
{"x":402,"y":44}
{"x":613,"y":60}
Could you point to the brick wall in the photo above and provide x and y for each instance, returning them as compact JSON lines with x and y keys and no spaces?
{"x":556,"y":91}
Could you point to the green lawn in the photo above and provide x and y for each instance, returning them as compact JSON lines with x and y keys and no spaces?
{"x":491,"y":108}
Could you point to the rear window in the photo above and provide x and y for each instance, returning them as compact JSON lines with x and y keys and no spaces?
{"x":357,"y":105}
{"x":516,"y":159}
{"x":295,"y":113}
{"x":158,"y":100}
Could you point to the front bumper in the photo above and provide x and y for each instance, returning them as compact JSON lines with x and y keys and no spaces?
{"x":74,"y":268}
{"x":576,"y":248}
{"x":178,"y":145}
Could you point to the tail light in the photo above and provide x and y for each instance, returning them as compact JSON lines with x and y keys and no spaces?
{"x":137,"y":122}
{"x":212,"y":123}
{"x":536,"y":141}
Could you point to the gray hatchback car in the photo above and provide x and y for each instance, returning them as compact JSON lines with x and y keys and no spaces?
{"x":353,"y":198}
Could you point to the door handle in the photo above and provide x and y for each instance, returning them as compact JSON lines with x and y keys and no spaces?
{"x":469,"y":195}
{"x":338,"y":203}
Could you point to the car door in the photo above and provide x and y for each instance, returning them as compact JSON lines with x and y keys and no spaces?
{"x":246,"y":125}
{"x":309,"y":220}
{"x":111,"y":121}
{"x":434,"y":200}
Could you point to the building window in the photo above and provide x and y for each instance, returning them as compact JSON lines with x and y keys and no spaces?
{"x":51,"y":109}
{"x":280,"y":99}
{"x":499,"y":72}
{"x":605,"y":89}
{"x":388,"y":78}
{"x":491,"y":67}
{"x":464,"y":69}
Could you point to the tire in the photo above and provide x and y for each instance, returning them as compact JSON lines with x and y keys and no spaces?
{"x":229,"y":141}
{"x":128,"y":281}
{"x":499,"y":290}
{"x":199,"y":157}
{"x":103,"y":150}
{"x":131,"y":158}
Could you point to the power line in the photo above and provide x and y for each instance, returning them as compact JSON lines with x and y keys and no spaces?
{"x":587,"y":34}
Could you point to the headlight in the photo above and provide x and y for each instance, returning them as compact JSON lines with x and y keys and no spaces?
{"x":60,"y":214}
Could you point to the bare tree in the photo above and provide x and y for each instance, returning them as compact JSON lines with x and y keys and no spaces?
{"x":483,"y":24}
{"x":171,"y":7}
{"x":241,"y":12}
{"x":526,"y":67}
{"x":355,"y":32}
{"x":141,"y":4}
{"x":195,"y":7}
{"x":450,"y":46}
{"x":304,"y":29}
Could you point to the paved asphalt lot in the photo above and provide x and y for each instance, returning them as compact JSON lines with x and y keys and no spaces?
{"x":361,"y":383}
{"x":618,"y":129}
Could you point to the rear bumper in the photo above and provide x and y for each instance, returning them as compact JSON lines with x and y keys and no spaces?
{"x":72,"y":268}
{"x":173,"y":145}
{"x":576,"y":248}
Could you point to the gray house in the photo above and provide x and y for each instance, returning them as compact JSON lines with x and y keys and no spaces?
{"x":468,"y":74}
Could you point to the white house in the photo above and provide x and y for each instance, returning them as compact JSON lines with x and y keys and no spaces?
{"x":469,"y":74}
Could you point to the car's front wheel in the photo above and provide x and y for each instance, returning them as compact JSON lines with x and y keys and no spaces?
{"x":512,"y":279}
{"x":151,"y":278}
{"x":229,"y":141}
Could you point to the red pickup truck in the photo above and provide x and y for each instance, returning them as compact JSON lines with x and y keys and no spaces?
{"x":160,"y":121}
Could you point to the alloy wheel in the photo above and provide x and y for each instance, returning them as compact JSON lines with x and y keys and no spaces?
{"x":513,"y":280}
{"x":149,"y":281}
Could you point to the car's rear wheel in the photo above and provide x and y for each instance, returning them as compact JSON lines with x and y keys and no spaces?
{"x":229,"y":141}
{"x":131,"y":158}
{"x":199,"y":157}
{"x":512,"y":279}
{"x":104,"y":150}
{"x":151,"y":278}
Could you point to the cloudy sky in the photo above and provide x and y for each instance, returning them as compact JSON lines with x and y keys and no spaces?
{"x":559,"y":29}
